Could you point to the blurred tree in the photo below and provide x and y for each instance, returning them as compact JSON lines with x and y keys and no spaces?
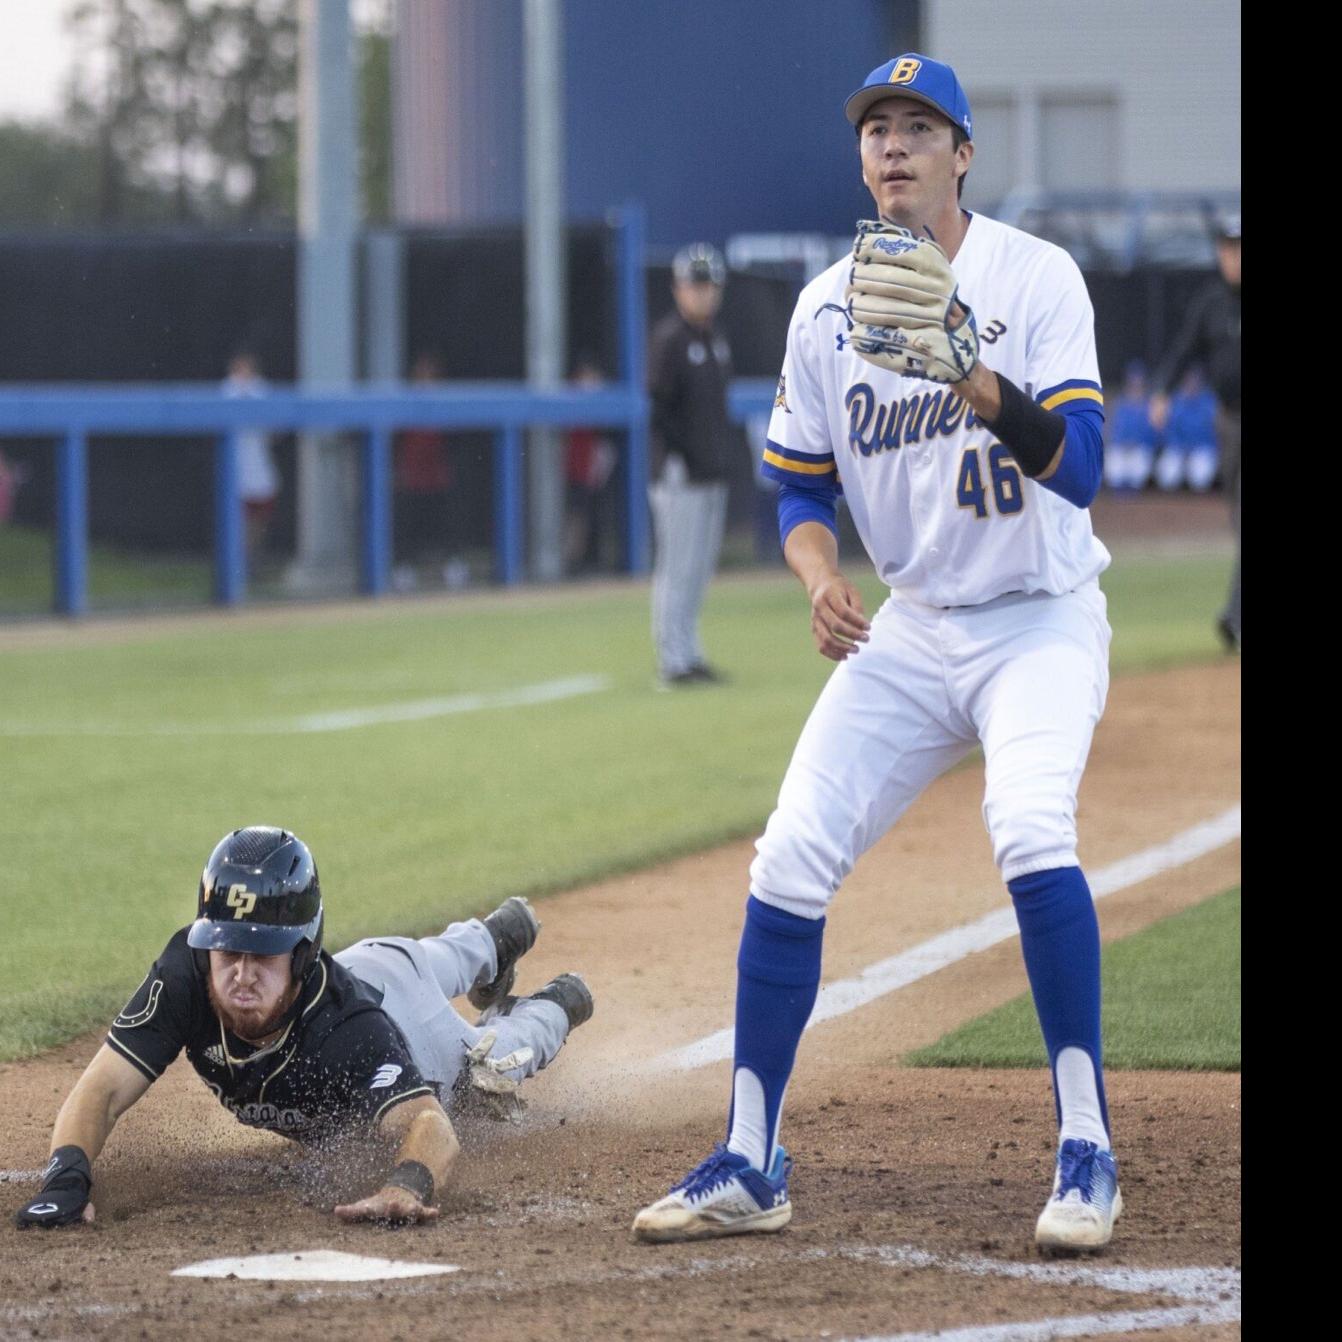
{"x":182,"y":111}
{"x":46,"y":176}
{"x":196,"y":99}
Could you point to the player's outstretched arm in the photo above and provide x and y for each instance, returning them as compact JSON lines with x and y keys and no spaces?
{"x":837,"y":619}
{"x":108,"y":1087}
{"x":427,"y":1148}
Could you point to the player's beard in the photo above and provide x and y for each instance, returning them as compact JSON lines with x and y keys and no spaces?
{"x":255,"y":1023}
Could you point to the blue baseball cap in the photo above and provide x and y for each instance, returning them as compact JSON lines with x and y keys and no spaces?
{"x":913,"y":75}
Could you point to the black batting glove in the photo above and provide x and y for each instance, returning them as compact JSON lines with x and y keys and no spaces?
{"x":66,"y":1182}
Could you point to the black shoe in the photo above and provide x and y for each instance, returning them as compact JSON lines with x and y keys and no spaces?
{"x":571,"y":993}
{"x":678,"y":681}
{"x":707,"y":675}
{"x":514,"y":927}
{"x":1229,"y":635}
{"x":699,"y":674}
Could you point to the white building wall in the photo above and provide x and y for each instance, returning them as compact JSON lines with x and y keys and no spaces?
{"x":1169,"y":70}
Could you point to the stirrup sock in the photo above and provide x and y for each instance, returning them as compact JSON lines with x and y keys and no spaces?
{"x":778,"y":976}
{"x":1060,"y":939}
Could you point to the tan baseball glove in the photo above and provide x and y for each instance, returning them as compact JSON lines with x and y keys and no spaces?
{"x":906,"y":310}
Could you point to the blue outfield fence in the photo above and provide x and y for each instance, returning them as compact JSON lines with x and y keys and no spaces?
{"x":72,"y":414}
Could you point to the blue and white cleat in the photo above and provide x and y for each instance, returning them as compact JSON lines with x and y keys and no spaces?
{"x":726,"y":1195}
{"x":1080,"y":1214}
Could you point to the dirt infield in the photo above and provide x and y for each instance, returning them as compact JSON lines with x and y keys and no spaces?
{"x":915,"y":1191}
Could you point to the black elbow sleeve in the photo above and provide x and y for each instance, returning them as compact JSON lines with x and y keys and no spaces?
{"x":1029,"y":432}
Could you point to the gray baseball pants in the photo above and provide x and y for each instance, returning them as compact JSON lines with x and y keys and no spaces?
{"x":687,"y":521}
{"x":1228,"y":432}
{"x":419,"y":978}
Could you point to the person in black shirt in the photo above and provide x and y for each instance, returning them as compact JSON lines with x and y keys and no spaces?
{"x":313,"y":1047}
{"x":1211,"y":337}
{"x":689,"y":366}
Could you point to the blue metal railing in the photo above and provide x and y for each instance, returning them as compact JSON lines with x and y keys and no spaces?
{"x":72,"y":414}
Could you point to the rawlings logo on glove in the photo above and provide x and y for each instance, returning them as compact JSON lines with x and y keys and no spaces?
{"x":906,"y":308}
{"x":891,"y":246}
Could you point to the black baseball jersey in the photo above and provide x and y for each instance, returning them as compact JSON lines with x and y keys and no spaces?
{"x":339,"y":1061}
{"x":689,"y":371}
{"x":1211,"y":335}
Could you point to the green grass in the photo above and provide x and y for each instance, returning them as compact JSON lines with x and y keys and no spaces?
{"x":117,"y":578}
{"x":413,"y":824}
{"x":1163,"y":610}
{"x":1171,"y":1000}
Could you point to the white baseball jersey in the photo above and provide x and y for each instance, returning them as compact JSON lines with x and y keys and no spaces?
{"x":946,"y":515}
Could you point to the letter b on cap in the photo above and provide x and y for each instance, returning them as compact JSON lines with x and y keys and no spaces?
{"x":905,"y":71}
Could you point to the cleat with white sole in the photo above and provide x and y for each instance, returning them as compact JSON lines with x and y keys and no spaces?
{"x":726,"y":1195}
{"x":1080,"y":1213}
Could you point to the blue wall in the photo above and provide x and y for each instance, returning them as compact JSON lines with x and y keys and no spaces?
{"x":722,"y":116}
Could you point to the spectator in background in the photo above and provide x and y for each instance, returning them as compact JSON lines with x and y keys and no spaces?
{"x":1189,"y":454}
{"x":1131,"y":449}
{"x":258,"y":478}
{"x":689,"y":365}
{"x":424,"y":477}
{"x":1211,"y":336}
{"x":589,"y":459}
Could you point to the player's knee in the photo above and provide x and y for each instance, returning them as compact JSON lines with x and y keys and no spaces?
{"x":798,"y":867}
{"x":792,"y":878}
{"x":1032,"y":834}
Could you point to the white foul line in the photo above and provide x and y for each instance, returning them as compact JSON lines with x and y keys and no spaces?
{"x":1213,"y":1295}
{"x":544,"y":693}
{"x":341,"y":720}
{"x":1075,"y":1325}
{"x":886,"y":976}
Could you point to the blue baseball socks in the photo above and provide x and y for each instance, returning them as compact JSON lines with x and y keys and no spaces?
{"x":777,"y":978}
{"x":1060,"y":938}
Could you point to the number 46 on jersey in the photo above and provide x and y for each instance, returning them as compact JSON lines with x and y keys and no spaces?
{"x":1003,"y":478}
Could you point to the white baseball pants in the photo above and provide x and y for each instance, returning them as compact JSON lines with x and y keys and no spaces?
{"x":418,"y":979}
{"x":1025,"y":676}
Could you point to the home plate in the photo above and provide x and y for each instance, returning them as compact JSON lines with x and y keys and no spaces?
{"x":312,"y":1265}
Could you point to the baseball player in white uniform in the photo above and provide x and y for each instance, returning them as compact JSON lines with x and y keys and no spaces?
{"x":944,"y":377}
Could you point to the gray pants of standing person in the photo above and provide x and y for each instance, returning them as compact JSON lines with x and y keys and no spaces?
{"x":687,"y":521}
{"x":1228,"y":435}
{"x":418,"y":979}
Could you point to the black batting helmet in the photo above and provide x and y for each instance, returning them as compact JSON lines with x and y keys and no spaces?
{"x":259,"y":893}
